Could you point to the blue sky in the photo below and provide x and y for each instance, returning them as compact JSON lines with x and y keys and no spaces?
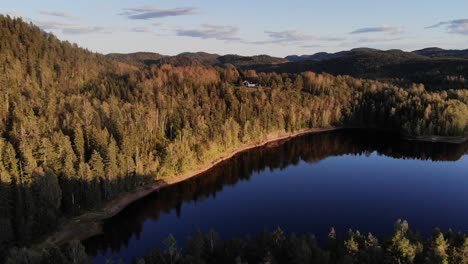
{"x":251,"y":27}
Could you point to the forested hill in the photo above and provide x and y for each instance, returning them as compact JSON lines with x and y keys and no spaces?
{"x":427,"y":52}
{"x":442,"y":53}
{"x":77,"y":129}
{"x":316,"y":57}
{"x":195,"y":59}
{"x":137,"y":58}
{"x":31,"y":57}
{"x":435,"y":69}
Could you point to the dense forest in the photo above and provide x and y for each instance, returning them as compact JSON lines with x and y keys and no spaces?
{"x":276,"y":246}
{"x":436,"y":69}
{"x":77,"y":128}
{"x":427,"y":52}
{"x":195,"y":59}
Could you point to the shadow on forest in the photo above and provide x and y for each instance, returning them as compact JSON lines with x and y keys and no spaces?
{"x":278,"y":155}
{"x":27,"y":212}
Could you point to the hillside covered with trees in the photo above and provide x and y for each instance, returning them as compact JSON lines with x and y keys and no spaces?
{"x":195,"y":59}
{"x":436,"y":69}
{"x":77,"y":129}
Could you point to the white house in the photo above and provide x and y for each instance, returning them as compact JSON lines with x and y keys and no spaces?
{"x":249,"y":84}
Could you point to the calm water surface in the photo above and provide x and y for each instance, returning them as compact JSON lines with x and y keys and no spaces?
{"x":356,"y":179}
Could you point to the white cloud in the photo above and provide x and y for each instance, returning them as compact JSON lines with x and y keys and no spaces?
{"x":287,"y":36}
{"x":59,"y":14}
{"x":375,"y":40}
{"x":381,"y":29}
{"x":292,"y":37}
{"x":141,"y":30}
{"x":151,"y":12}
{"x":210,"y":31}
{"x":70,"y":28}
{"x":458,"y":26}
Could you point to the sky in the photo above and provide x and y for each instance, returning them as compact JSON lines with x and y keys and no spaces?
{"x":248,"y":27}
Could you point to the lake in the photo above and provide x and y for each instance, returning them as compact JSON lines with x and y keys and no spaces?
{"x":359,"y":179}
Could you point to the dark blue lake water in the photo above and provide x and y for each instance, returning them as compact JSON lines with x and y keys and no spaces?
{"x":363,"y":180}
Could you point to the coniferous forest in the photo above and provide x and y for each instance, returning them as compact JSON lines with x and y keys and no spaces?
{"x":77,"y":129}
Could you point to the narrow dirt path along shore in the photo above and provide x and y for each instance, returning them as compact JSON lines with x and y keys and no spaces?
{"x":89,"y":224}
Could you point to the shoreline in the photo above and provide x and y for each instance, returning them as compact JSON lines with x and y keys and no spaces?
{"x":89,"y":224}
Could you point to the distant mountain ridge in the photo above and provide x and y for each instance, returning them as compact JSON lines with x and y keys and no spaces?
{"x":432,"y":52}
{"x":196,"y":58}
{"x":210,"y":59}
{"x":442,"y":53}
{"x":316,"y":57}
{"x":434,"y":67}
{"x":137,"y":58}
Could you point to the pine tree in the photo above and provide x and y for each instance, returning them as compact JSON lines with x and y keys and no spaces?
{"x":10,"y":162}
{"x":438,"y":250}
{"x":460,"y":253}
{"x":79,"y":143}
{"x":402,"y":249}
{"x":96,"y":163}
